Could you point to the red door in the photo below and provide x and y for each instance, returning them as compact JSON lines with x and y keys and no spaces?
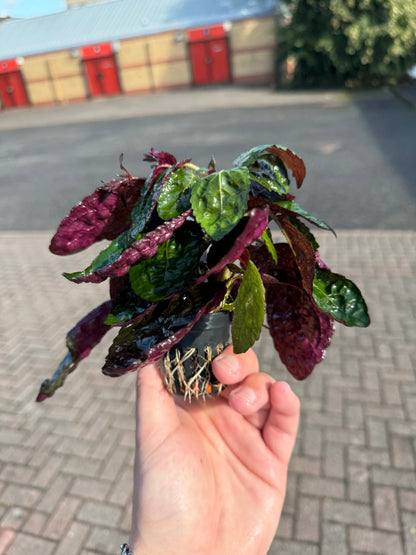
{"x":208,"y":50}
{"x":101,"y":69}
{"x":218,"y":60}
{"x":102,"y":76}
{"x":12,"y":87}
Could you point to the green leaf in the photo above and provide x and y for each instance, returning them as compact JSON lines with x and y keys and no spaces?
{"x":340,"y":297}
{"x":294,"y":207}
{"x":270,"y":183}
{"x":249,"y":310}
{"x":175,"y":197}
{"x":266,"y":169}
{"x":251,"y":156}
{"x":127,"y":306}
{"x":274,"y":173}
{"x":268,"y":241}
{"x":143,"y":208}
{"x":106,"y":257}
{"x":174,"y":264}
{"x":220,"y":200}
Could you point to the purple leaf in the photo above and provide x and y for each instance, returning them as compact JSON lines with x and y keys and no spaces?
{"x":159,"y":157}
{"x":248,"y":230}
{"x":116,"y":287}
{"x":102,"y":215}
{"x":300,"y":330}
{"x":303,"y":251}
{"x":292,"y":161}
{"x":149,"y":339}
{"x":285,"y":270}
{"x":144,"y":248}
{"x":163,"y":160}
{"x":89,"y":331}
{"x":80,"y":340}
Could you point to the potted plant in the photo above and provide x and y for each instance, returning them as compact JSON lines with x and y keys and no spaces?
{"x":189,"y":245}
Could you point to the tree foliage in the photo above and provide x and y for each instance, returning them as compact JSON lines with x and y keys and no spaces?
{"x":349,"y":42}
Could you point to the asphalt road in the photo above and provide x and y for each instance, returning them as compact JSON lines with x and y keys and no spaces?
{"x":359,"y":151}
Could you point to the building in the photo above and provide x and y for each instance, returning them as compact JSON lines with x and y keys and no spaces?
{"x":77,"y":3}
{"x":135,"y":46}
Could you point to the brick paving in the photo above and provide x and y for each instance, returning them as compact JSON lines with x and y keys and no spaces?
{"x":66,"y":464}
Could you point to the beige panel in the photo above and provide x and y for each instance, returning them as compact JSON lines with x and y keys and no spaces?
{"x":70,"y":88}
{"x":165,"y":47}
{"x":64,"y":66}
{"x":171,"y":74}
{"x":135,"y":79}
{"x":35,"y":69}
{"x":54,"y":77}
{"x":252,"y":33}
{"x":132,"y":52}
{"x":252,"y":63}
{"x":41,"y":92}
{"x":56,"y":64}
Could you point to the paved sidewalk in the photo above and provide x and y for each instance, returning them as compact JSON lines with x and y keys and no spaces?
{"x":66,"y":464}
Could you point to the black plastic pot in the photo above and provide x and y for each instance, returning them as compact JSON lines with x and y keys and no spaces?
{"x":187,"y":366}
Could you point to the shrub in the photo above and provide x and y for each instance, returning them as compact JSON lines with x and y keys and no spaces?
{"x":349,"y":42}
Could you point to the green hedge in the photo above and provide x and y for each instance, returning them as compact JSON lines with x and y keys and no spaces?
{"x":349,"y":42}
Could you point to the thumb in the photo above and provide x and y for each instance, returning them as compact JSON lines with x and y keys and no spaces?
{"x":156,"y":415}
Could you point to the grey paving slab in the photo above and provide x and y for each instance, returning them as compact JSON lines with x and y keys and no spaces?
{"x":65,"y":464}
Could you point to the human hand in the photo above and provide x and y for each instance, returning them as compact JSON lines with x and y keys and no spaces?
{"x":210,"y":477}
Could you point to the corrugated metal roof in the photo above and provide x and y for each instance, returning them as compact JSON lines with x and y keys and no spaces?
{"x":119,"y":19}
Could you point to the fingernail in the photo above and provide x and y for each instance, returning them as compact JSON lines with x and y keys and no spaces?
{"x":244,"y":394}
{"x":230,"y":363}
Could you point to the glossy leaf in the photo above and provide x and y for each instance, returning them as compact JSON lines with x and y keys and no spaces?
{"x":220,"y":200}
{"x":340,"y":297}
{"x":175,"y":196}
{"x":304,"y":229}
{"x":105,"y":259}
{"x":268,"y":241}
{"x":302,"y":249}
{"x":291,"y":160}
{"x":163,"y":161}
{"x":174,"y":264}
{"x":285,"y":269}
{"x":297,"y":210}
{"x":150,"y":338}
{"x":118,"y":263}
{"x":143,"y":209}
{"x":249,"y":310}
{"x":263,"y":186}
{"x":250,"y":157}
{"x":127,"y":306}
{"x":80,"y":340}
{"x":102,"y":215}
{"x":300,"y":331}
{"x":279,"y":156}
{"x":233,"y":245}
{"x":274,"y":174}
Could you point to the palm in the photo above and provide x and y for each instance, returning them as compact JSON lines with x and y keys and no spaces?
{"x":208,"y":478}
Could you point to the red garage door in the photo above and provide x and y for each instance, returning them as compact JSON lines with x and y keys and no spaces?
{"x":12,"y":87}
{"x":100,"y":69}
{"x":208,"y":50}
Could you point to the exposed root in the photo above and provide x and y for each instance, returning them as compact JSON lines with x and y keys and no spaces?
{"x":190,"y":373}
